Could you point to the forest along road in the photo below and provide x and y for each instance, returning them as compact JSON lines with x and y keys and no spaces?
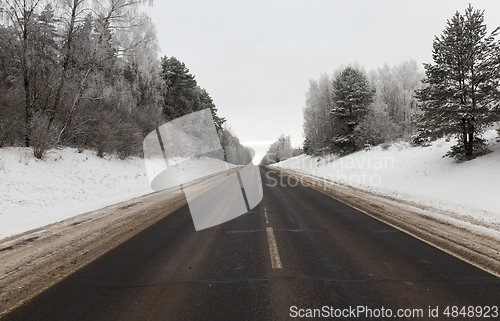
{"x":298,"y":249}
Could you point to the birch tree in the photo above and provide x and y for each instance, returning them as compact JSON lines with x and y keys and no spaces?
{"x":20,"y":15}
{"x":317,"y":120}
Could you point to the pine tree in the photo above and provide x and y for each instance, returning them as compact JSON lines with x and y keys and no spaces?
{"x":47,"y":39}
{"x":462,"y":85}
{"x":207,"y":102}
{"x":352,"y":94}
{"x":181,"y":95}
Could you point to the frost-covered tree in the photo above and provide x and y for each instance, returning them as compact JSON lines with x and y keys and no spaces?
{"x":376,"y":128}
{"x":233,"y":151}
{"x":395,"y":95}
{"x":463,"y":84}
{"x":21,"y":15}
{"x":279,"y":150}
{"x":283,"y":148}
{"x":317,"y":120}
{"x":352,"y":94}
{"x":83,"y":73}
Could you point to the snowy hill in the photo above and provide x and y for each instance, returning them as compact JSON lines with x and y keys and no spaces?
{"x":468,"y":191}
{"x":34,"y":193}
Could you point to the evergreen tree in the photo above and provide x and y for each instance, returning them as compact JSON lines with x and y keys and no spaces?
{"x":462,"y":85}
{"x":207,"y":102}
{"x":46,"y":45}
{"x":11,"y":111}
{"x":181,"y":94}
{"x":352,"y":94}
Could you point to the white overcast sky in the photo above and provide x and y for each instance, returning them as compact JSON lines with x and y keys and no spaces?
{"x":255,"y":57}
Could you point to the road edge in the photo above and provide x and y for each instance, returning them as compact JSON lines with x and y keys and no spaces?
{"x":481,"y":251}
{"x":93,"y":246}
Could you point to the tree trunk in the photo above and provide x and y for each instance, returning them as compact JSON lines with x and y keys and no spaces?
{"x":26,"y":83}
{"x":464,"y":137}
{"x":470,"y":129}
{"x":67,"y":56}
{"x":28,"y":113}
{"x":468,"y":137}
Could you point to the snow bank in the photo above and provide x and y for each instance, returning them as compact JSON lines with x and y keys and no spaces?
{"x":468,"y":190}
{"x":34,"y":193}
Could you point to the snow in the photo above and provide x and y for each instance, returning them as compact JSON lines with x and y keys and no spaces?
{"x":34,"y":193}
{"x":468,"y":191}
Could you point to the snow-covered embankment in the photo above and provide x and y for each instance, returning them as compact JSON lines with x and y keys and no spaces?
{"x":467,"y":191}
{"x":34,"y":193}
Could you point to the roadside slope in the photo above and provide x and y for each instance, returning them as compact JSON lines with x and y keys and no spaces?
{"x":453,"y":206}
{"x":69,"y":182}
{"x":35,"y":260}
{"x":476,"y":245}
{"x":465,"y":191}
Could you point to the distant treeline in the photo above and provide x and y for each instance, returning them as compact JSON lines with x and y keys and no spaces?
{"x":280,"y":150}
{"x":86,"y":74}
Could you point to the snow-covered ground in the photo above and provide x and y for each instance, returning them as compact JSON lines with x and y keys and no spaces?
{"x":469,"y":190}
{"x":34,"y":193}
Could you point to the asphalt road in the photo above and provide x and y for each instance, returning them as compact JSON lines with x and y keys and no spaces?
{"x":298,"y":249}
